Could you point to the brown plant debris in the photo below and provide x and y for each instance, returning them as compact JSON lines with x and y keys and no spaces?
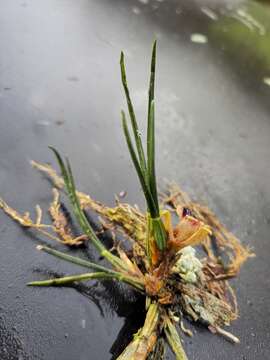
{"x":60,"y":222}
{"x":179,"y":201}
{"x":59,"y":231}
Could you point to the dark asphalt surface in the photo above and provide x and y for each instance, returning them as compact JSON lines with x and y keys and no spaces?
{"x":60,"y":85}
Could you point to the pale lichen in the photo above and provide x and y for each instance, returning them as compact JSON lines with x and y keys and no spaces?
{"x":188,"y":266}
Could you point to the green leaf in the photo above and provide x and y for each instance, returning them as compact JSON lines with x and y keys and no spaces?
{"x":159,"y":233}
{"x":73,"y":259}
{"x":70,"y":279}
{"x":71,"y":191}
{"x":146,"y":173}
{"x":134,"y":124}
{"x":147,"y":194}
{"x":80,"y":216}
{"x":151,"y":90}
{"x":151,"y":129}
{"x":151,"y":155}
{"x":106,"y":273}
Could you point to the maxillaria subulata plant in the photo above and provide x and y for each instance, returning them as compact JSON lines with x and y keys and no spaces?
{"x":162,"y":264}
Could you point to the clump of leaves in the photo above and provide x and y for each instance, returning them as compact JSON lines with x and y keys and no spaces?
{"x":162,"y":265}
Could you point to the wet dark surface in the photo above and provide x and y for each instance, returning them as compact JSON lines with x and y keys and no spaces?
{"x":60,"y":85}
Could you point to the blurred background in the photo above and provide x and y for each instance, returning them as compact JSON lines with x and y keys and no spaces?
{"x":60,"y":85}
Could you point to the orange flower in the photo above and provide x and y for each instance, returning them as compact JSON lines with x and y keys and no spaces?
{"x":188,"y":232}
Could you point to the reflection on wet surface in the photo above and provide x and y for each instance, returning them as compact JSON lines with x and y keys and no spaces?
{"x":246,"y":27}
{"x":109,"y":297}
{"x":60,"y":85}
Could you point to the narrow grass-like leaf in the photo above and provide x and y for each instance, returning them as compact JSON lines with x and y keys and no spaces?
{"x":62,"y":166}
{"x":70,"y":279}
{"x":134,"y":124}
{"x":87,"y":264}
{"x":150,"y":202}
{"x":89,"y":276}
{"x":151,"y":154}
{"x":151,"y":128}
{"x":146,"y":173}
{"x":159,"y":232}
{"x":151,"y":90}
{"x":80,"y":216}
{"x":73,"y":259}
{"x":69,"y":182}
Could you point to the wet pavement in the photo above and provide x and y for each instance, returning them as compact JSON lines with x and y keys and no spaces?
{"x":60,"y":85}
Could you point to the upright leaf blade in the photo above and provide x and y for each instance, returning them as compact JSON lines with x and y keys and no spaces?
{"x":146,"y":173}
{"x":147,"y":194}
{"x":151,"y":155}
{"x":134,"y":124}
{"x":151,"y":90}
{"x":151,"y":128}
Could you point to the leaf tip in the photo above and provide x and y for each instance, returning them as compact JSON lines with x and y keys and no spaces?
{"x":122,"y":57}
{"x":53,"y":150}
